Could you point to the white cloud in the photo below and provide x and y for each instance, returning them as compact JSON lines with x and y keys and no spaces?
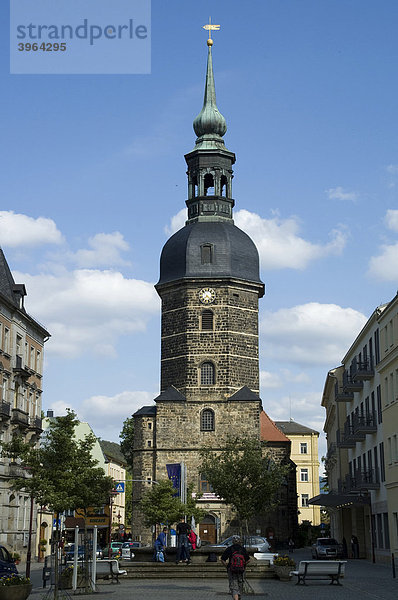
{"x":86,"y":311}
{"x":105,"y":251}
{"x":384,"y":266}
{"x":392,"y":169}
{"x":277,"y":240}
{"x":176,"y":222}
{"x":269,"y":380}
{"x":391,"y":219}
{"x":310,"y":334}
{"x":339,"y":193}
{"x":17,"y":230}
{"x":106,"y":414}
{"x":280,"y":245}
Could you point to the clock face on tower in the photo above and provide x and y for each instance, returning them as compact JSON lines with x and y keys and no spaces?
{"x":207,"y":295}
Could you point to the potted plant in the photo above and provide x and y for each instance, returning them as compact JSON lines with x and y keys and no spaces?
{"x":283,"y":565}
{"x":16,"y":557}
{"x":65,"y":582}
{"x":14,"y":587}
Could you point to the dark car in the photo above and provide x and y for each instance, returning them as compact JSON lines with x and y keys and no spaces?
{"x":7,"y":564}
{"x":326,"y":548}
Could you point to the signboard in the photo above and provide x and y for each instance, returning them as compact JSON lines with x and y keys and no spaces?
{"x":119,"y":487}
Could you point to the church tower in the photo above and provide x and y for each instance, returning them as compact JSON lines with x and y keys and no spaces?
{"x":209,"y":286}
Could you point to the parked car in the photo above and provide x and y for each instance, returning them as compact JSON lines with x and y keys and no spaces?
{"x":127,"y":549}
{"x":252,"y":541}
{"x":116,"y":549}
{"x":70,"y":552}
{"x":326,"y":548}
{"x":7,"y":564}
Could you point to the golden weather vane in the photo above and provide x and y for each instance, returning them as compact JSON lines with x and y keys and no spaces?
{"x":210,"y":27}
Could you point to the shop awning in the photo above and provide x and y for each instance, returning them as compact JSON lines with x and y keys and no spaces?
{"x":339,"y":500}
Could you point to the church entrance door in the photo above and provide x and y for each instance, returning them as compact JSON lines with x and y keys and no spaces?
{"x":207,"y":529}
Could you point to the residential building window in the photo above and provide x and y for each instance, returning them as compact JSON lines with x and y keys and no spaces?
{"x":303,"y":474}
{"x":207,"y":374}
{"x":303,"y":448}
{"x":207,"y":320}
{"x":376,"y":462}
{"x":382,"y":465}
{"x":18,"y":343}
{"x":204,"y":485}
{"x":6,"y":340}
{"x":207,"y":420}
{"x":32,"y":358}
{"x":386,"y":531}
{"x":38,"y":361}
{"x":379,"y":531}
{"x":379,"y":413}
{"x":149,"y":443}
{"x":304,"y":500}
{"x":395,"y":530}
{"x":4,"y":390}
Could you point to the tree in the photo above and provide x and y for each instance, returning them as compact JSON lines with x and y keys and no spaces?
{"x":160,"y":505}
{"x":61,"y":473}
{"x":244,"y":475}
{"x":127,"y":440}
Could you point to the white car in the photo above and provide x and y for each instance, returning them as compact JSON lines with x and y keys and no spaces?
{"x":127,"y":550}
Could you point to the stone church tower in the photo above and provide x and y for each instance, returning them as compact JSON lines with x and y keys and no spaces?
{"x":209,"y":286}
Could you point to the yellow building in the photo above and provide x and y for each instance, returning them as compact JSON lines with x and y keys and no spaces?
{"x":388,"y":370}
{"x":304,"y":453}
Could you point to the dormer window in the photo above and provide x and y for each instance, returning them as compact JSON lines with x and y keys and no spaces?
{"x":206,"y":254}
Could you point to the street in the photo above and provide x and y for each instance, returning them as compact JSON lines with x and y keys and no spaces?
{"x":363,"y":579}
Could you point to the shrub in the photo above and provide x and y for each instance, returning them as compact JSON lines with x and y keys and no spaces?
{"x":284,"y":561}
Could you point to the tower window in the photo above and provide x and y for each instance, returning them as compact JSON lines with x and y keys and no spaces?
{"x":207,"y":320}
{"x":206,"y":254}
{"x":224,"y":186}
{"x":204,"y":485}
{"x":207,"y":374}
{"x":209,"y":184}
{"x":207,"y":420}
{"x":194,"y":186}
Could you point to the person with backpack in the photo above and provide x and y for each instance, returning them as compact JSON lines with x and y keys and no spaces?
{"x":160,"y":546}
{"x":238,"y":559}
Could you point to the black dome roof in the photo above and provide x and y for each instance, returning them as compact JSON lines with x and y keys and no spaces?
{"x":234,"y":253}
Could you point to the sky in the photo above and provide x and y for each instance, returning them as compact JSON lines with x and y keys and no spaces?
{"x":93,"y":182}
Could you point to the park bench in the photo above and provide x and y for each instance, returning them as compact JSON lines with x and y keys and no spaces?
{"x":268,"y":556}
{"x":106,"y":569}
{"x":313,"y":569}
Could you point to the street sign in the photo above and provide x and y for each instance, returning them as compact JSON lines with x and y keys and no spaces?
{"x":119,"y":487}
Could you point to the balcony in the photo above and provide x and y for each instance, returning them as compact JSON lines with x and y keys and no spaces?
{"x":35,"y":423}
{"x":365,"y":480}
{"x":363,"y":370}
{"x":366,"y":423}
{"x":344,"y":439}
{"x":19,"y":369}
{"x":350,"y":384}
{"x":19,"y":417}
{"x":342,"y":396}
{"x":5,"y":411}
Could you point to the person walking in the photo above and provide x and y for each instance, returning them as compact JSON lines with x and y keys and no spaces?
{"x":183,"y":554}
{"x":237,"y":558}
{"x":291,"y":545}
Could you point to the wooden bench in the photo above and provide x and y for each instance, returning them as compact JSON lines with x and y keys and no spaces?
{"x":313,"y":569}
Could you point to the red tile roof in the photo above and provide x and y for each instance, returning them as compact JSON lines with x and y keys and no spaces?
{"x":269,"y":431}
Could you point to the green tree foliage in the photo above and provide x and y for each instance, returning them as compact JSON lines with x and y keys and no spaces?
{"x":127,"y":439}
{"x":61,"y":473}
{"x":159,"y":505}
{"x":244,"y":475}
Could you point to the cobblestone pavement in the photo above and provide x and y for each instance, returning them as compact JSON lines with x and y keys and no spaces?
{"x":363,"y":580}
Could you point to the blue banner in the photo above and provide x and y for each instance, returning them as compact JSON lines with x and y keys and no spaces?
{"x":174,"y":474}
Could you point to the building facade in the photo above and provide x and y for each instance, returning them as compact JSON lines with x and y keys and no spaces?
{"x":360,"y":398}
{"x":209,"y":287}
{"x":22,"y":341}
{"x":304,"y":453}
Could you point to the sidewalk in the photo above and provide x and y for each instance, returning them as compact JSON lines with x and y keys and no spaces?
{"x":363,"y":580}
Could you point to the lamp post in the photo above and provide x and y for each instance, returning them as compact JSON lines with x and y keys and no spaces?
{"x":111,"y":496}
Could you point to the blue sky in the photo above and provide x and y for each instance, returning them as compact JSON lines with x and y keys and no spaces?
{"x":93,"y":182}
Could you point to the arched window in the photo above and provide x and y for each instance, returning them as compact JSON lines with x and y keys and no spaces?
{"x":209,"y":184}
{"x":224,"y":186}
{"x":207,"y":420}
{"x":207,"y":320}
{"x":207,"y":374}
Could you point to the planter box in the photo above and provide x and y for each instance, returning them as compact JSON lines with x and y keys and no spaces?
{"x":15,"y":592}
